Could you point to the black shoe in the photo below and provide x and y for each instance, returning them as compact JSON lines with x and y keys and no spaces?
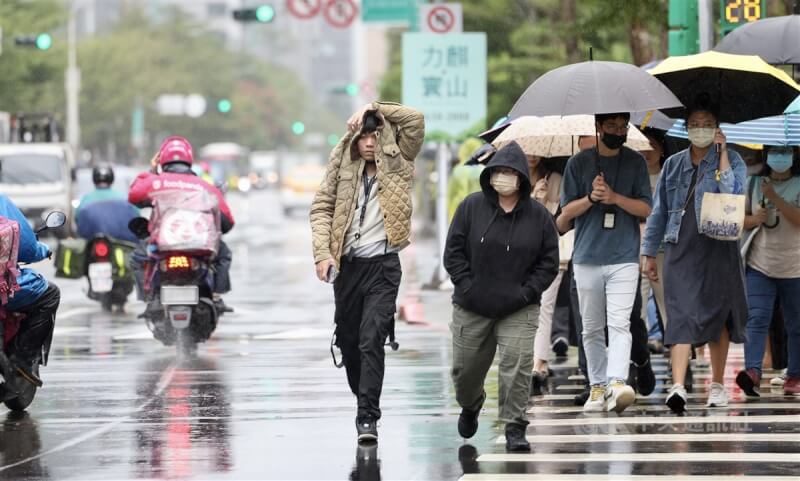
{"x":468,"y":423}
{"x":580,"y":399}
{"x":645,"y":379}
{"x":367,"y":430}
{"x":560,"y":347}
{"x":515,"y":438}
{"x":538,"y":383}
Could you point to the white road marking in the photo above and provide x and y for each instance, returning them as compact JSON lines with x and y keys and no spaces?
{"x":660,"y":438}
{"x":715,"y":457}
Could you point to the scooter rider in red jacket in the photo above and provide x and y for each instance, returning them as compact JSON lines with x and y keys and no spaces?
{"x":172,"y":169}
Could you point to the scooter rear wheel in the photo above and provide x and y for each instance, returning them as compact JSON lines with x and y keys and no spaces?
{"x":25,"y":398}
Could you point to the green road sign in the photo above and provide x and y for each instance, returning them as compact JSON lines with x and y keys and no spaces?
{"x":445,"y":77}
{"x":401,"y":11}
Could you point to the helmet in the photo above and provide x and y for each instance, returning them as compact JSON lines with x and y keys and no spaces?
{"x":175,"y":149}
{"x":103,"y":174}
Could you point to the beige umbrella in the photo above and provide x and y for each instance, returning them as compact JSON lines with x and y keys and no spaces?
{"x":557,"y":136}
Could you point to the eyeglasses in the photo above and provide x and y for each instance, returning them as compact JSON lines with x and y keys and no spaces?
{"x":615,"y":128}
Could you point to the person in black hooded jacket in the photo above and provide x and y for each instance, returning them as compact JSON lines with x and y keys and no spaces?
{"x":501,"y":254}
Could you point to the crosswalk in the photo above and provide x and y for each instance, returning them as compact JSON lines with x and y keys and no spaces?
{"x":757,"y":438}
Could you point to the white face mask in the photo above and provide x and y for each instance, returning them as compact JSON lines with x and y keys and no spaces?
{"x":702,"y":137}
{"x":504,"y":184}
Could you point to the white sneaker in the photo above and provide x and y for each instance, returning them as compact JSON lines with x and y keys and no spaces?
{"x":718,"y":396}
{"x":676,"y":398}
{"x":596,"y":402}
{"x":619,"y":396}
{"x":778,"y":381}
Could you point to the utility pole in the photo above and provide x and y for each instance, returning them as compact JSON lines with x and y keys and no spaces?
{"x":705,"y":23}
{"x":73,"y":83}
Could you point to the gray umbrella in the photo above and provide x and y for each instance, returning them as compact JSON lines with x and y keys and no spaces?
{"x":594,"y":87}
{"x":776,"y":40}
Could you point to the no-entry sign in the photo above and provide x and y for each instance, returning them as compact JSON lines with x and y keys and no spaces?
{"x":441,"y":18}
{"x":304,"y":9}
{"x":340,"y":13}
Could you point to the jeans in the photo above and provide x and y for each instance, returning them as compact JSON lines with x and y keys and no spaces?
{"x":607,"y":295}
{"x":761,"y":292}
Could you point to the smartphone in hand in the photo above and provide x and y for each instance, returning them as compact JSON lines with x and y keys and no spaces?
{"x":330,"y":277}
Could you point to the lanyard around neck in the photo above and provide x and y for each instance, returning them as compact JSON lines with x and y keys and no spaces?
{"x":368,"y":183}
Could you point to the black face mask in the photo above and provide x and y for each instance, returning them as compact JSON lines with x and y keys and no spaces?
{"x":613,"y":141}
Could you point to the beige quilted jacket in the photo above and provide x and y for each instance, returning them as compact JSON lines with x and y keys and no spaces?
{"x":334,"y":207}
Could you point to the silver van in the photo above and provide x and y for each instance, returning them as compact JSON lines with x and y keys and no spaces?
{"x":38,"y":178}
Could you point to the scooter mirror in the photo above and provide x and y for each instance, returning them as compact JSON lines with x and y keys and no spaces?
{"x":138,"y":225}
{"x":55,"y":219}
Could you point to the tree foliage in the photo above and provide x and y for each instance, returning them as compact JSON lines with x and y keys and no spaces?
{"x":527,"y":38}
{"x":138,"y":61}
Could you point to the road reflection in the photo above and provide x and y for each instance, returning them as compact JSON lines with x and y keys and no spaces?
{"x":19,"y":440}
{"x":368,"y":465}
{"x":185,"y":430}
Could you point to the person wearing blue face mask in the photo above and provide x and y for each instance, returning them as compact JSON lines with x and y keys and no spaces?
{"x":773,"y":264}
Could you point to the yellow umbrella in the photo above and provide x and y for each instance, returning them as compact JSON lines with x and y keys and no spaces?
{"x":744,"y":86}
{"x":557,"y":136}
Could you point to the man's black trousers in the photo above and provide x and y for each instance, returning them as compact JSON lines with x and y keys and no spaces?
{"x":366,"y":297}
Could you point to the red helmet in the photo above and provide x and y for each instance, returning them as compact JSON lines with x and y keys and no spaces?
{"x":175,"y":149}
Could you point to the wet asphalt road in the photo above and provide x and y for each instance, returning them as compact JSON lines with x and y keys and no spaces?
{"x":263,"y":400}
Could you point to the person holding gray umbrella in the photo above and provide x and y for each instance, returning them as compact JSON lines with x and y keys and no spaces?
{"x":606,"y":190}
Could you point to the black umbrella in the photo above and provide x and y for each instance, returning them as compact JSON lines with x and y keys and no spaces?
{"x":594,"y":87}
{"x":744,"y":86}
{"x":776,"y":40}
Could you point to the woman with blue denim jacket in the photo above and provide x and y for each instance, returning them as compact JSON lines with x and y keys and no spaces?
{"x":703,"y":277}
{"x":773,"y":265}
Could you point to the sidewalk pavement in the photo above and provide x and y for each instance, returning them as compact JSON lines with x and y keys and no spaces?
{"x":418,"y":302}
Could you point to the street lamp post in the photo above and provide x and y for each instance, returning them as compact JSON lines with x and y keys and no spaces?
{"x":73,"y":81}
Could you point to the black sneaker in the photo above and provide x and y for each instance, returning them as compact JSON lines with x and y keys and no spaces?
{"x":560,"y":347}
{"x":468,"y":423}
{"x":645,"y":379}
{"x":580,"y":399}
{"x":367,"y":430}
{"x":538,"y":383}
{"x":515,"y":438}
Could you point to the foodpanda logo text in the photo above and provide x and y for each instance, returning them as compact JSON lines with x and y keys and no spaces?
{"x":176,"y":184}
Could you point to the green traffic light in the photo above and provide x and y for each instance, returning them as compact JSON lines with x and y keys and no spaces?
{"x":44,"y":41}
{"x":224,"y":106}
{"x":298,"y":128}
{"x":352,"y":89}
{"x":333,"y":139}
{"x":265,"y":13}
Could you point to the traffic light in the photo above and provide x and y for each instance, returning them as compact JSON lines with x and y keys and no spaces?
{"x":298,"y":128}
{"x":684,"y":31}
{"x":352,"y":89}
{"x":43,"y":41}
{"x":224,"y":106}
{"x":333,"y":139}
{"x":263,"y":14}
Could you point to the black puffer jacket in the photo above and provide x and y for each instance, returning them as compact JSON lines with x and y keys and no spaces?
{"x":501,"y":262}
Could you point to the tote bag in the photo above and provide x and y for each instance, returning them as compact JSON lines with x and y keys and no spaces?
{"x":722,"y":216}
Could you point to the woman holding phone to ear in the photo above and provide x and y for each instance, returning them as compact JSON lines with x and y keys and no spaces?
{"x":773,"y":265}
{"x":703,"y":277}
